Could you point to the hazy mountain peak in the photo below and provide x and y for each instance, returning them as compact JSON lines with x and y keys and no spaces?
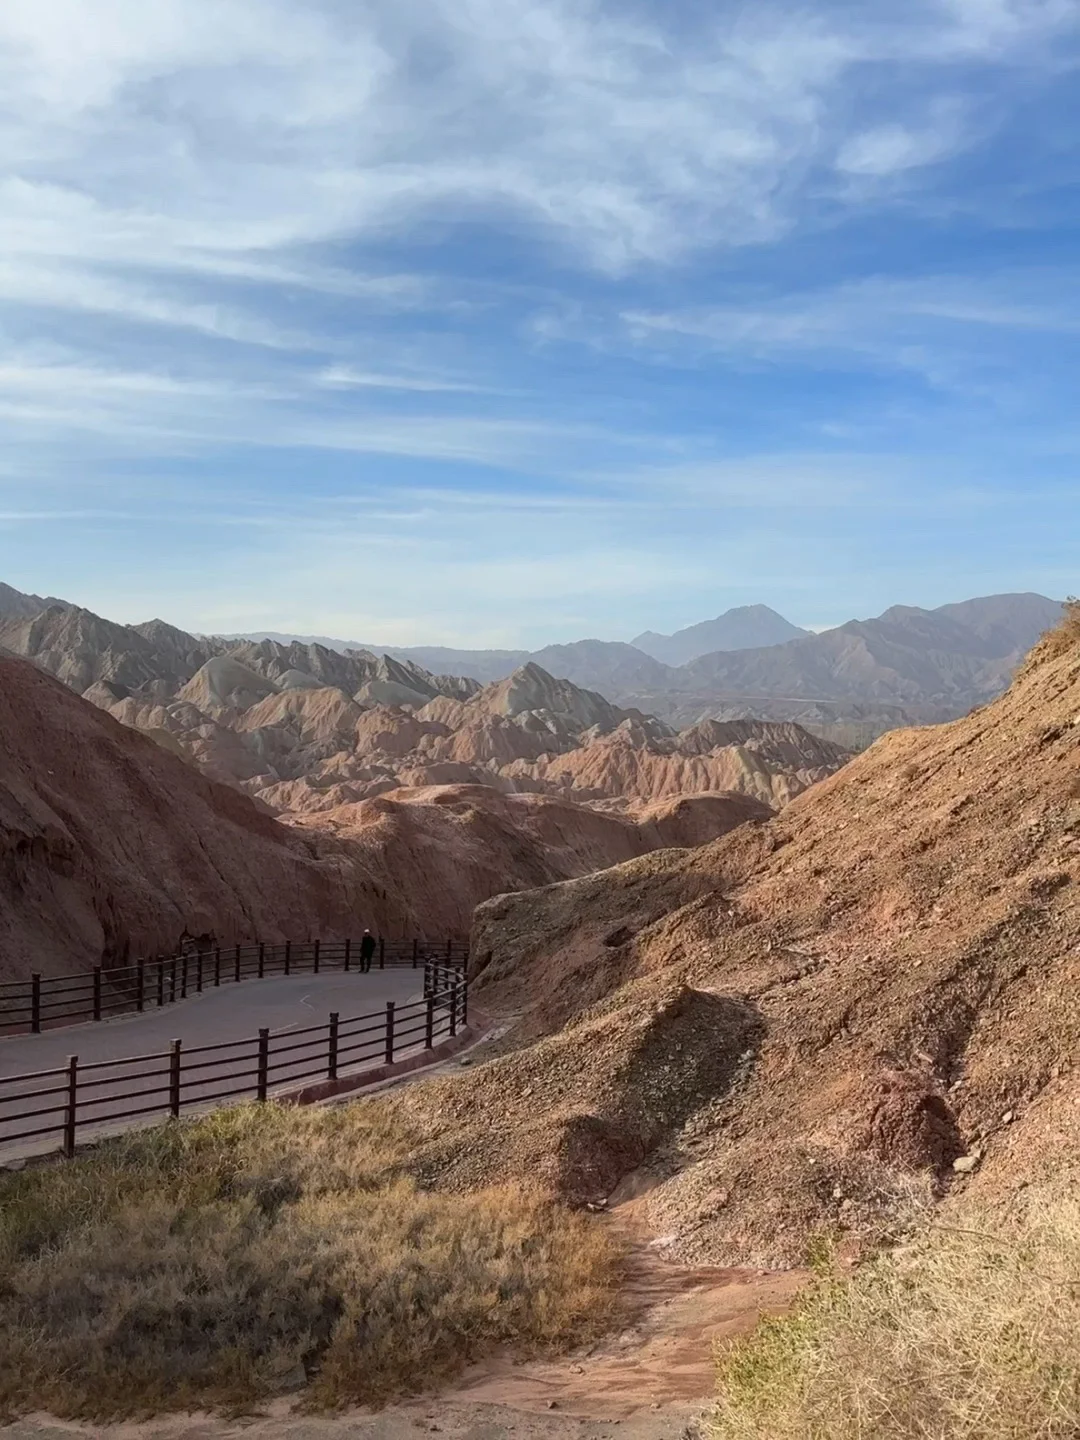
{"x":746,"y":627}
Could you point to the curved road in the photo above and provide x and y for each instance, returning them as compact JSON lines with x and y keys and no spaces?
{"x":226,"y":1016}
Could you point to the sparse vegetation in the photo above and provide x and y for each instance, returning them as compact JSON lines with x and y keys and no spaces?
{"x":1067,"y":634}
{"x":262,"y":1250}
{"x":969,"y":1333}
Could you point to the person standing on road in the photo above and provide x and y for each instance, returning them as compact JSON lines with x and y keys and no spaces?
{"x":367,"y":951}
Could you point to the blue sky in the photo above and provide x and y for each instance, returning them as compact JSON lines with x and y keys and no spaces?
{"x":499,"y":322}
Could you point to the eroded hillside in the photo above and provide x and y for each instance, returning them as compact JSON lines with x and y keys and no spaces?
{"x":808,"y":1024}
{"x":110,"y":847}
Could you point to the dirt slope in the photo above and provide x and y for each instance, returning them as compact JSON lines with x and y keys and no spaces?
{"x":903,"y":943}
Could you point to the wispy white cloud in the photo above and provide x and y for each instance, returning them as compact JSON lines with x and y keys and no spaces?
{"x":241,"y":128}
{"x":951,"y":330}
{"x":347,"y":377}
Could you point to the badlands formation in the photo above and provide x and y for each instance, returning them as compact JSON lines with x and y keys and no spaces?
{"x":825,"y":1022}
{"x":334,"y":789}
{"x":113,"y":848}
{"x":432,"y":792}
{"x":303,"y":728}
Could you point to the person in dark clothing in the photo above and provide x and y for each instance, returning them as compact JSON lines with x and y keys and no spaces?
{"x":367,"y":951}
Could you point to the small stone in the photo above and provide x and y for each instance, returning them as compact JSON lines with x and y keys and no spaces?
{"x":1008,"y":1118}
{"x":553,"y":1405}
{"x":965,"y":1164}
{"x":837,"y":1193}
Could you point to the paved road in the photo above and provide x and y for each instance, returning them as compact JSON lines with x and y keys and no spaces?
{"x":136,"y":1049}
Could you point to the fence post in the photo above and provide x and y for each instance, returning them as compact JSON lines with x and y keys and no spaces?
{"x":72,"y":1107}
{"x":415,"y":952}
{"x":465,"y":1002}
{"x":174,"y":1079}
{"x":288,"y":955}
{"x":236,"y":965}
{"x":382,"y":953}
{"x":389,"y":1032}
{"x":315,"y":959}
{"x":141,"y":967}
{"x":453,"y":1009}
{"x":35,"y":1004}
{"x":263,"y":1078}
{"x":172,"y":980}
{"x":331,"y":1063}
{"x":348,"y":952}
{"x":217,"y":964}
{"x":429,"y":1023}
{"x":183,"y":975}
{"x":97,"y":992}
{"x":160,"y":983}
{"x":198,"y":971}
{"x":262,"y":958}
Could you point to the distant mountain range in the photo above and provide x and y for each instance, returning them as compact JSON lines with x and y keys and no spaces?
{"x":907,"y":666}
{"x":744,"y":628}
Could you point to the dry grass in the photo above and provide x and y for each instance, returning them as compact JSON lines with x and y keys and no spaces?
{"x":261,"y":1250}
{"x":1067,"y":634}
{"x":968,"y":1334}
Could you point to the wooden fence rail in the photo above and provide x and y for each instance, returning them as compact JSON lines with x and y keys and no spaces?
{"x":109,"y":1094}
{"x":44,"y":1002}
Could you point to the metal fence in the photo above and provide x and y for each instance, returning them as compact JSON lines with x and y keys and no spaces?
{"x":110,"y":1094}
{"x":43,"y":1002}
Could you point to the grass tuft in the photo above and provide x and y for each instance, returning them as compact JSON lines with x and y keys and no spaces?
{"x":264,"y":1250}
{"x":969,"y":1333}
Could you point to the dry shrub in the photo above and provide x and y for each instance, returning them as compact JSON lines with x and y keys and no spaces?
{"x":262,"y":1250}
{"x":1066,"y":634}
{"x":970,"y":1333}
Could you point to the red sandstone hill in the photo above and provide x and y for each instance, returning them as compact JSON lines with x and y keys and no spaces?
{"x":110,"y":846}
{"x":447,"y":848}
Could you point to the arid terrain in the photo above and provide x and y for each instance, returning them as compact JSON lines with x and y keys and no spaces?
{"x":824,"y":1021}
{"x":816,"y":1031}
{"x":305,"y":728}
{"x":113,"y":847}
{"x":387,"y":791}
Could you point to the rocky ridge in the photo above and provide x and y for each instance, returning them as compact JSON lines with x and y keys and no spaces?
{"x":304,"y":729}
